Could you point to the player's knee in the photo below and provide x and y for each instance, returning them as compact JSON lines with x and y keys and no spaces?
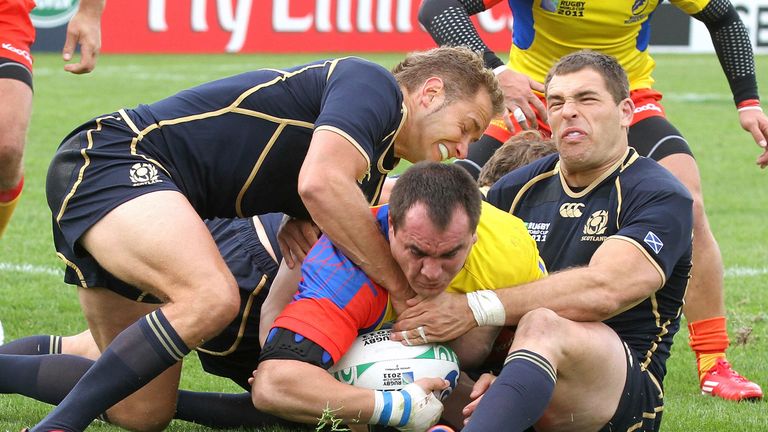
{"x":267,"y":382}
{"x":538,"y":324}
{"x":214,"y":303}
{"x":10,"y":163}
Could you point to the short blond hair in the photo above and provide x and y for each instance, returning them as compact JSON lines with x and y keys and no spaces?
{"x":461,"y":69}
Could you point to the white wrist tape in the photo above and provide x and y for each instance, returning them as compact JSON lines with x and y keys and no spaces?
{"x":389,"y":408}
{"x":487,"y":308}
{"x":409,"y":409}
{"x":499,"y":69}
{"x":750,"y":108}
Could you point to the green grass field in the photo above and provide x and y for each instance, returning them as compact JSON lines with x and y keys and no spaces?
{"x":34,"y":300}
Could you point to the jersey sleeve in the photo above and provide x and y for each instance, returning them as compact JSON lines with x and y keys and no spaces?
{"x":363,"y":103}
{"x":659,"y":220}
{"x":334,"y":301}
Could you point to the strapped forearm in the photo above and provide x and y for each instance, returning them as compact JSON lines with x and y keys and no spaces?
{"x":733,"y":47}
{"x":447,"y":21}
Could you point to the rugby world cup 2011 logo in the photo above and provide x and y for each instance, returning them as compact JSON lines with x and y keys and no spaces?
{"x":142,"y":173}
{"x":53,"y":13}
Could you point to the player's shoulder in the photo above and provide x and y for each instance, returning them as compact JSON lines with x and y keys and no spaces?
{"x":646,"y":176}
{"x":504,"y":191}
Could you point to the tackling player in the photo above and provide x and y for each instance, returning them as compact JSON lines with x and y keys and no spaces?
{"x":128,"y":192}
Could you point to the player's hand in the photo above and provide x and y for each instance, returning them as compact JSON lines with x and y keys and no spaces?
{"x":296,"y":237}
{"x":518,"y":91}
{"x":478,"y":390}
{"x":755,"y":122}
{"x":84,"y":29}
{"x":438,"y":319}
{"x":425,"y":407}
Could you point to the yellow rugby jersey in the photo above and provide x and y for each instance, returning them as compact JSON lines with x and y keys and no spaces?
{"x":545,"y":30}
{"x":504,"y":255}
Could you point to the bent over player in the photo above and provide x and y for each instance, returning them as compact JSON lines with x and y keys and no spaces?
{"x":128,"y":192}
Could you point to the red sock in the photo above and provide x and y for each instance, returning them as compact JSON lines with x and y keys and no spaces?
{"x":708,"y":338}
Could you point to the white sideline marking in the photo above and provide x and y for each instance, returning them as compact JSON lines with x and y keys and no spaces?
{"x":29,"y":268}
{"x":731,"y":272}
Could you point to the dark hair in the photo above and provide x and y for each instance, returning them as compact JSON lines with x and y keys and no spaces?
{"x":608,"y":67}
{"x":441,"y":188}
{"x":462,"y":70}
{"x":517,"y":151}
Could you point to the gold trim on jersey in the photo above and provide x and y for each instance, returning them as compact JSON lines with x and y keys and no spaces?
{"x":380,"y":163}
{"x":645,"y":253}
{"x":80,"y":175}
{"x":261,"y":233}
{"x":348,"y":137}
{"x":619,"y":200}
{"x":243,"y":321}
{"x":255,"y":170}
{"x":74,"y":267}
{"x":567,"y":189}
{"x":530,"y":184}
{"x":135,"y":139}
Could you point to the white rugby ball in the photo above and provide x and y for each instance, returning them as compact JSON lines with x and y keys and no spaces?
{"x":375,"y":362}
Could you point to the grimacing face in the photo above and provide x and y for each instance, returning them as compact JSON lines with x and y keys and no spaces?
{"x":431,"y":258}
{"x":588,"y":126}
{"x":446,"y":129}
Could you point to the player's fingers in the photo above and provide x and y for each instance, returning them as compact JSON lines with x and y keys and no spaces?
{"x":286,"y":251}
{"x":69,"y":46}
{"x":86,"y":64}
{"x":528,"y":116}
{"x":536,"y":86}
{"x":762,"y":160}
{"x":538,"y":105}
{"x":481,"y":385}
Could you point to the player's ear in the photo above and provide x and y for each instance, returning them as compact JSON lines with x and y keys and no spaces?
{"x":432,"y":90}
{"x":627,"y":110}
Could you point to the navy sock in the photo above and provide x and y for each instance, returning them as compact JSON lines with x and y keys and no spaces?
{"x":136,"y":356}
{"x":47,"y":378}
{"x":33,"y":345}
{"x":518,"y":397}
{"x":223,"y":411}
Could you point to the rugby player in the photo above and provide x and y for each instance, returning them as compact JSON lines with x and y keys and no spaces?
{"x":16,"y":37}
{"x":593,"y":337}
{"x":546,"y":30}
{"x":432,"y":221}
{"x":129,"y":190}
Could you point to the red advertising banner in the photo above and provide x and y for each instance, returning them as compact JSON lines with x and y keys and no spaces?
{"x":275,"y":26}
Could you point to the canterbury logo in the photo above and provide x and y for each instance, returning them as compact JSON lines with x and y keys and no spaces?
{"x":597,"y":223}
{"x":571,"y":210}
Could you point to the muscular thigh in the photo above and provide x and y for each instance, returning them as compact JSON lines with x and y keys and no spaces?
{"x":591,"y":374}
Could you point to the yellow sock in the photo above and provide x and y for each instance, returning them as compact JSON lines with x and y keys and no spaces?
{"x":705,"y":362}
{"x":6,"y":210}
{"x":8,"y":201}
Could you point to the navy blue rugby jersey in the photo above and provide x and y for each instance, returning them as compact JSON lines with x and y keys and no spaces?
{"x":235,"y":146}
{"x":638,"y":201}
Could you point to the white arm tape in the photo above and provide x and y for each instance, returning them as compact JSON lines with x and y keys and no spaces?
{"x":487,"y":308}
{"x":748,"y":108}
{"x":499,"y":69}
